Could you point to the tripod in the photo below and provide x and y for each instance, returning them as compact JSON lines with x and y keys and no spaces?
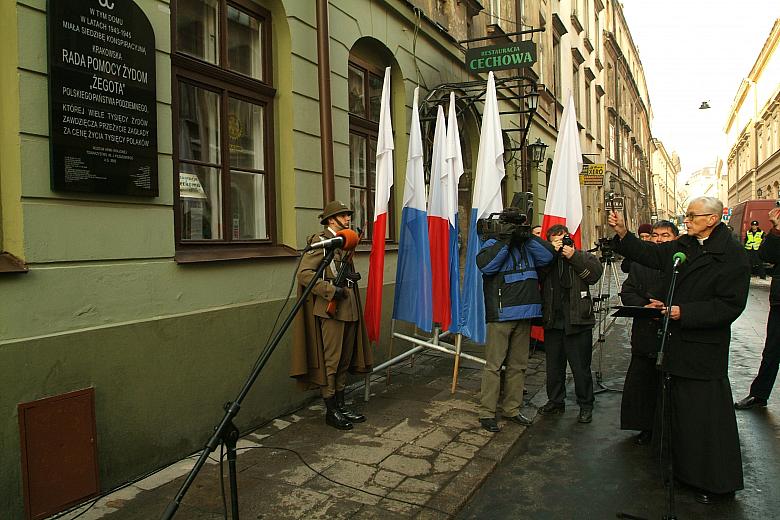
{"x":602,"y":303}
{"x":226,"y":432}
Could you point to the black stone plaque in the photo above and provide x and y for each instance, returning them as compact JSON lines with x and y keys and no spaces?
{"x":102,"y":98}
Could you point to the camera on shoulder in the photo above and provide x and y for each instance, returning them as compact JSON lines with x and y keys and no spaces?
{"x":512,"y":223}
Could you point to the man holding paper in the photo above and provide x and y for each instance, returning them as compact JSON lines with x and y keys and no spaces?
{"x":642,"y":288}
{"x":711,"y":293}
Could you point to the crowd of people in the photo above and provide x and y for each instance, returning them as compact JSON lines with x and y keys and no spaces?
{"x":530,"y":281}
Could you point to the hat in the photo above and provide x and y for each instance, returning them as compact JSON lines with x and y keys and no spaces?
{"x":332,"y":208}
{"x":645,"y":228}
{"x":754,"y":223}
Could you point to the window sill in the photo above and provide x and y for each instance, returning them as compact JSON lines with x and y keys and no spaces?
{"x":10,"y":264}
{"x":196,"y":254}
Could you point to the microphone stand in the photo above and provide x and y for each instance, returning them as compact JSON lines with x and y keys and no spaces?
{"x":226,"y":432}
{"x":666,"y":411}
{"x":666,"y":401}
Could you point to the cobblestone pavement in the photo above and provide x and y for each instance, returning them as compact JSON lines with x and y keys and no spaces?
{"x":421,"y":454}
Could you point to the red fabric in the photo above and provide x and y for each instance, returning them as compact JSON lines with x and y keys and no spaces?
{"x":551,"y":220}
{"x":376,"y":271}
{"x":439,"y":238}
{"x":537,"y":333}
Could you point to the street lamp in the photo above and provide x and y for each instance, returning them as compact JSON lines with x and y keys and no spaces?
{"x":537,"y":151}
{"x":533,"y":100}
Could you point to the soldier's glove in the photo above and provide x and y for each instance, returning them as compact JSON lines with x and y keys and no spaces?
{"x":340,"y":293}
{"x":353,"y":277}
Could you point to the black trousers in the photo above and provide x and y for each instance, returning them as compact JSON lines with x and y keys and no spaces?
{"x":770,"y":358}
{"x":577,"y":350}
{"x":756,"y":265}
{"x":640,"y":394}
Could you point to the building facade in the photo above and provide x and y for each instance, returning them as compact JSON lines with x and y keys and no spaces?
{"x":665,"y":168}
{"x":752,"y":163}
{"x":265,"y":109}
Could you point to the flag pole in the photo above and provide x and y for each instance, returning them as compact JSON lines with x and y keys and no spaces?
{"x":458,"y":340}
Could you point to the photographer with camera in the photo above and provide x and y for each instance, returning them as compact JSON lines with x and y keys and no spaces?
{"x":508,"y":261}
{"x":568,"y":320}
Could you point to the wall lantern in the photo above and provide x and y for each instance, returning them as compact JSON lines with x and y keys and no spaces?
{"x":537,"y":151}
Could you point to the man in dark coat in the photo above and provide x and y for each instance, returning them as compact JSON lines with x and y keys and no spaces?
{"x":568,"y":319}
{"x":643,"y":288}
{"x":711,"y":293}
{"x":770,"y":358}
{"x":327,"y":346}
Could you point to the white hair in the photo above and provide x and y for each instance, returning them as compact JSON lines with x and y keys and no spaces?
{"x":710,"y":204}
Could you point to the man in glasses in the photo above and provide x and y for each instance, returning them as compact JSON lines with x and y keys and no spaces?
{"x":643,"y":288}
{"x":711,"y":293}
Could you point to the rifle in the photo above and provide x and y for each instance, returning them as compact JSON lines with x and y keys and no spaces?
{"x":341,"y":276}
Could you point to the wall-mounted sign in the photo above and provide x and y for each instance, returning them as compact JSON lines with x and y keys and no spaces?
{"x":102,"y":98}
{"x":501,"y":57}
{"x":616,"y":203}
{"x":592,"y":175}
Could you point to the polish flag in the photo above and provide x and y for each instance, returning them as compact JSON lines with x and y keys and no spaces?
{"x":383,"y":184}
{"x":453,"y":164}
{"x":438,"y":226}
{"x":487,"y":199}
{"x":564,"y":199}
{"x":413,"y":301}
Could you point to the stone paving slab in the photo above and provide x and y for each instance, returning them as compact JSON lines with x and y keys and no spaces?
{"x":421,"y":454}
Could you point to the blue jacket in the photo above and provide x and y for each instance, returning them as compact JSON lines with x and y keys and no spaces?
{"x":510,"y":282}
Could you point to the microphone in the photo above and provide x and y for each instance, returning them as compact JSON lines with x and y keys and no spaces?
{"x":679,"y":258}
{"x":345,"y":239}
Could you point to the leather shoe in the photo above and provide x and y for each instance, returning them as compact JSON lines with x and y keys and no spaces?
{"x":520,"y":419}
{"x":705,"y":497}
{"x":749,"y":402}
{"x":585,"y":416}
{"x":552,"y":408}
{"x":334,"y":417}
{"x":644,"y":437}
{"x":489,"y":424}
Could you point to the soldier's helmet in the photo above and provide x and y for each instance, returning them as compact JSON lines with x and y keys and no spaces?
{"x":333,"y":208}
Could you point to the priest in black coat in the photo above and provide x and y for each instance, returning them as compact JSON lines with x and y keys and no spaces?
{"x":711,"y":293}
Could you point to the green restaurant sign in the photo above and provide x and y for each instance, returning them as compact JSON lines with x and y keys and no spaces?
{"x":501,"y":57}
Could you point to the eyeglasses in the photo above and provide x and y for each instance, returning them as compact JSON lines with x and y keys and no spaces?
{"x":691,"y":216}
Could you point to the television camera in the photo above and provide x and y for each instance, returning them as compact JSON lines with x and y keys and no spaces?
{"x":512,"y":223}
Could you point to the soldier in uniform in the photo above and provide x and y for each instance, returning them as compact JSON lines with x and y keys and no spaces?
{"x":326,"y":347}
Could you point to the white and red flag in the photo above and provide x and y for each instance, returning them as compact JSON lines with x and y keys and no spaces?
{"x":439,"y":225}
{"x":564,"y":199}
{"x":486,"y":201}
{"x":383,"y":184}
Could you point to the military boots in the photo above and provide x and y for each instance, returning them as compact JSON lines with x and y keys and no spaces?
{"x":334,"y":417}
{"x":352,"y":415}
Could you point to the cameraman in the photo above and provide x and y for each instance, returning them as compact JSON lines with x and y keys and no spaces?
{"x":568,"y":320}
{"x":512,"y":299}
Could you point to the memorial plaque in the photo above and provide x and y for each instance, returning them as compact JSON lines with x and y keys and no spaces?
{"x":102,"y":98}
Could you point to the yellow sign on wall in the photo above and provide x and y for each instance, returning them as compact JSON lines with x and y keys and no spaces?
{"x":592,"y":175}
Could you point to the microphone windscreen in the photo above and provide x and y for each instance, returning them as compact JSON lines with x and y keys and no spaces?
{"x":679,"y":255}
{"x":351,"y":239}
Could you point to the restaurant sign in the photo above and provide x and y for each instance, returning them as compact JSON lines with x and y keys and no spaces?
{"x":501,"y":57}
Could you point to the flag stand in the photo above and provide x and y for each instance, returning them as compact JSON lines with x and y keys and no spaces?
{"x":434,"y":343}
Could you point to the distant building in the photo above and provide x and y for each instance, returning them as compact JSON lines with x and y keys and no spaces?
{"x":753,"y":128}
{"x":665,"y":169}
